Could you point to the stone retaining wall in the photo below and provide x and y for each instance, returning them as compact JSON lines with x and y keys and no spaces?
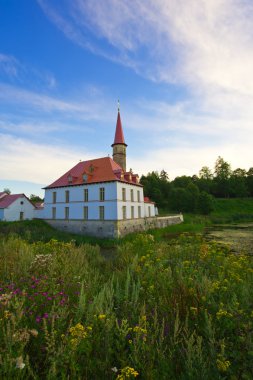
{"x":111,"y":228}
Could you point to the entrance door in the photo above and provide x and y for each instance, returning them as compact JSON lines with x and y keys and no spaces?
{"x":21,"y":215}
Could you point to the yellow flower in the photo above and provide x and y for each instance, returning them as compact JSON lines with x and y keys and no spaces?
{"x":223,"y":364}
{"x":101,"y":316}
{"x":7,"y":314}
{"x":223,"y":313}
{"x":127,"y":373}
{"x":78,"y":332}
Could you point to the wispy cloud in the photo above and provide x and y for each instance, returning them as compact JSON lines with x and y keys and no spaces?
{"x":203,"y":42}
{"x":84,"y":108}
{"x":14,"y":71}
{"x":24,"y":160}
{"x":8,"y":65}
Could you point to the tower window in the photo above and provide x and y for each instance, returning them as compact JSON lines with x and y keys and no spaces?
{"x":138,"y":196}
{"x":139,"y":211}
{"x":132,"y":212}
{"x":67,"y":196}
{"x":53,"y":212}
{"x":54,"y":196}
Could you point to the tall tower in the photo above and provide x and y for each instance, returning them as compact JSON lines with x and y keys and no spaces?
{"x":119,"y":145}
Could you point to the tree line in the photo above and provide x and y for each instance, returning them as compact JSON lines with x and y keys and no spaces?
{"x":197,"y":193}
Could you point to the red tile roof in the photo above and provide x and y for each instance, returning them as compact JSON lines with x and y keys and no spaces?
{"x":3,"y":194}
{"x":147,"y":200}
{"x":119,"y":135}
{"x":92,"y":171}
{"x":8,"y":199}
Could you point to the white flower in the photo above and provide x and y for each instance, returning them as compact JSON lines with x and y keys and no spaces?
{"x":115,"y":369}
{"x":19,"y":363}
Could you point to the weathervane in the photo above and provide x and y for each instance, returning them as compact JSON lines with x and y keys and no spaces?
{"x":118,"y":105}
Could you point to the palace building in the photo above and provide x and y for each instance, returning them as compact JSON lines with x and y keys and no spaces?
{"x":99,"y":197}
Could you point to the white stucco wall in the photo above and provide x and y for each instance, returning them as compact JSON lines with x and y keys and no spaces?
{"x":113,"y":202}
{"x":12,"y":212}
{"x":128,"y":203}
{"x":149,"y":210}
{"x":76,"y":201}
{"x":38,"y":213}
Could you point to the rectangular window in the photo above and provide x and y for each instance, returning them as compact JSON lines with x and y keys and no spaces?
{"x":21,"y":215}
{"x":123,"y":194}
{"x":124,"y":212}
{"x":54,"y":196}
{"x":101,"y":193}
{"x":101,"y":212}
{"x":85,"y":212}
{"x":132,"y":212}
{"x":138,"y":196}
{"x":132,"y":195}
{"x":86,"y":195}
{"x":67,"y":196}
{"x":149,"y":211}
{"x":53,"y":212}
{"x":139,"y":211}
{"x":66,"y":212}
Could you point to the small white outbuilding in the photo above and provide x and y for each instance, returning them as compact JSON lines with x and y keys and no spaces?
{"x":15,"y":207}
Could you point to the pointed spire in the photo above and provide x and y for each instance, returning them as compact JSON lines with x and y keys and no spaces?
{"x":119,"y":135}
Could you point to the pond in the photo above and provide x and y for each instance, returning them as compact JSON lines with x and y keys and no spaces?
{"x":239,"y":237}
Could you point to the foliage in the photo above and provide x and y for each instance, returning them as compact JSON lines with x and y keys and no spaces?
{"x":181,"y":310}
{"x":35,"y":198}
{"x":189,"y":194}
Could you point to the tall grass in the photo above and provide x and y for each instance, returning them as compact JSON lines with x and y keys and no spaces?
{"x":155,"y":311}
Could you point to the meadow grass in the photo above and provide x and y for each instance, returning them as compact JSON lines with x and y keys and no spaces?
{"x":181,"y":309}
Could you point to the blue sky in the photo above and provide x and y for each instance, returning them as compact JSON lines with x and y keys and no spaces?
{"x":183,"y":71}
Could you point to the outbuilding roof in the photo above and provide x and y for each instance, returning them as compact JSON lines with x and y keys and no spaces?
{"x":8,"y":199}
{"x":93,"y":171}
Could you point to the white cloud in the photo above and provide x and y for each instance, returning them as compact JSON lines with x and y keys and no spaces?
{"x":23,"y":160}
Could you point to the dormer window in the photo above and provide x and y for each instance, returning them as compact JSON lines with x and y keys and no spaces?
{"x":91,"y":168}
{"x":85,"y":177}
{"x":70,"y":179}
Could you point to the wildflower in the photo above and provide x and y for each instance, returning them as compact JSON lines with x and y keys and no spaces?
{"x":19,"y":363}
{"x":79,"y":332}
{"x":223,"y":313}
{"x":127,"y":373}
{"x":115,"y":369}
{"x":139,"y":330}
{"x":101,"y":316}
{"x":7,"y":314}
{"x":223,"y":364}
{"x":194,"y":310}
{"x":33,"y":332}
